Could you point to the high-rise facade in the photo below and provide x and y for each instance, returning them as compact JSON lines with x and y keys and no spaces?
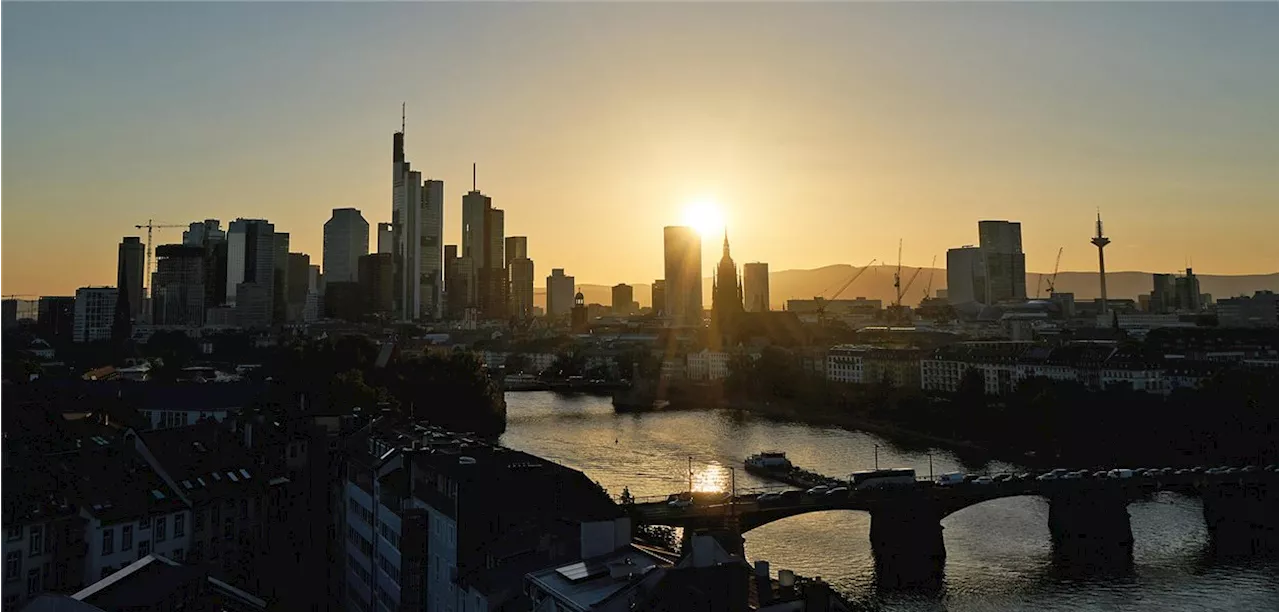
{"x":386,"y":239}
{"x":966,"y":276}
{"x":129,"y":270}
{"x":375,"y":283}
{"x":204,"y":232}
{"x":682,"y":255}
{"x":1005,"y":264}
{"x":417,"y":232}
{"x":482,"y":246}
{"x":251,"y":270}
{"x":177,"y":287}
{"x":658,"y":297}
{"x":346,"y":240}
{"x":623,"y":298}
{"x":726,"y":293}
{"x":559,"y":293}
{"x":755,"y":287}
{"x":299,"y":285}
{"x":280,"y":280}
{"x":95,"y":313}
{"x":520,"y":277}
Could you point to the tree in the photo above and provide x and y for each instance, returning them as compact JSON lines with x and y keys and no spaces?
{"x":516,"y":362}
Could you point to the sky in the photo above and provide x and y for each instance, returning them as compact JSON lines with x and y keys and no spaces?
{"x":822,"y":132}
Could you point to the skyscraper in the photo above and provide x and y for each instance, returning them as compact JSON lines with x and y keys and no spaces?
{"x":386,"y":239}
{"x":559,"y":293}
{"x":299,"y":285}
{"x":346,"y":240}
{"x":755,"y":287}
{"x":375,"y":283}
{"x":280,"y":280}
{"x":520,"y":277}
{"x":482,"y":245}
{"x":726,"y":293}
{"x":966,"y":276}
{"x":682,"y":250}
{"x":129,"y":270}
{"x":658,"y":297}
{"x":417,"y":228}
{"x":622,"y":298}
{"x":177,"y":287}
{"x":200,"y":233}
{"x":251,"y":249}
{"x":1004,"y":263}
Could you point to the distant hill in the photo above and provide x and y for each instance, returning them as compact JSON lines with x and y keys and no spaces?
{"x":877,"y":283}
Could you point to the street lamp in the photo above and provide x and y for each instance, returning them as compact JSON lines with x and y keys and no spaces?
{"x":877,"y":455}
{"x":930,"y":454}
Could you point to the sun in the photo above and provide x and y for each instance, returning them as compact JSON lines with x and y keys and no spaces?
{"x":704,"y":216}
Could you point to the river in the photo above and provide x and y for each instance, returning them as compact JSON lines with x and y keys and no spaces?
{"x":998,"y":552}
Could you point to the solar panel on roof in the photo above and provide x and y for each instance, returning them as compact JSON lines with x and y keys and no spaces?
{"x":157,"y":494}
{"x":245,"y":473}
{"x":201,"y":481}
{"x":186,"y":483}
{"x":232,"y":476}
{"x":582,"y":570}
{"x":216,"y":476}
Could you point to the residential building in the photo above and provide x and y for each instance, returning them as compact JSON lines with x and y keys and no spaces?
{"x":900,"y":368}
{"x":425,"y":528}
{"x":1260,"y":310}
{"x":178,"y":285}
{"x":156,"y":583}
{"x":560,"y":290}
{"x":129,"y":270}
{"x":346,"y":240}
{"x":755,"y":287}
{"x":682,"y":262}
{"x":376,"y":283}
{"x":94,"y":314}
{"x":707,"y":365}
{"x":856,"y":306}
{"x":845,"y":363}
{"x":10,"y":313}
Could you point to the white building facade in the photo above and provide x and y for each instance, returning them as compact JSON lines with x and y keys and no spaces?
{"x":94,"y":313}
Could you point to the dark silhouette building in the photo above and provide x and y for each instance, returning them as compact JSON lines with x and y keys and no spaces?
{"x":376,"y":285}
{"x":129,"y":271}
{"x":56,"y":318}
{"x":726,"y":295}
{"x":299,"y":284}
{"x":578,"y":316}
{"x":178,"y":287}
{"x":344,"y":301}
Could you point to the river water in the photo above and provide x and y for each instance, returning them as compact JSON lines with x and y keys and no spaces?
{"x":998,"y":553}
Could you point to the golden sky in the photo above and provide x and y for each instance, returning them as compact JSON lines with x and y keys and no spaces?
{"x":825,"y":132}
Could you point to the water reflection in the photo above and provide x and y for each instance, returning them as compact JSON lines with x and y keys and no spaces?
{"x":999,"y":553}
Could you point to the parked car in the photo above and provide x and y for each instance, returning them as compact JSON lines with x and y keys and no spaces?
{"x":1072,"y":476}
{"x":1120,"y":473}
{"x":1270,"y":467}
{"x":680,"y":502}
{"x":790,"y":495}
{"x":768,"y":498}
{"x":1024,"y":476}
{"x":1047,"y":476}
{"x":838,"y":492}
{"x":983,"y":480}
{"x":818,"y":490}
{"x":1249,"y":468}
{"x":953,"y":478}
{"x":1099,"y":474}
{"x":1002,"y":478}
{"x":1182,"y":472}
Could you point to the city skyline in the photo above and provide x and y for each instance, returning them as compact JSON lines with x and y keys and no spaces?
{"x":1171,"y":137}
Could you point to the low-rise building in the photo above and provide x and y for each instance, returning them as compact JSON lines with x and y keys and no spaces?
{"x":707,"y":365}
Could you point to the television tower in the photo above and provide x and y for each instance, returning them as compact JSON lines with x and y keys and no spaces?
{"x":1101,"y":242}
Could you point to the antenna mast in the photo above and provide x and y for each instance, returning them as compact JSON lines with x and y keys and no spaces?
{"x":402,"y":117}
{"x":473,"y":176}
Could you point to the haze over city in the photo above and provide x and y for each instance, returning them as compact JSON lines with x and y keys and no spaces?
{"x":819,"y":133}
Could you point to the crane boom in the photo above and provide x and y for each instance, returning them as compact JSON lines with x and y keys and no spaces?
{"x":822,"y":301}
{"x":928,"y":287}
{"x":146,"y":269}
{"x":1054,"y":278}
{"x":910,"y":281}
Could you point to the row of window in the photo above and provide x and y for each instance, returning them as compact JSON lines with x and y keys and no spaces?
{"x":364,"y":545}
{"x":388,"y":568}
{"x":359,"y":510}
{"x":359,"y":571}
{"x":389,"y":534}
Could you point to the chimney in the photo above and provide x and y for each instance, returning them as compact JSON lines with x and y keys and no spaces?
{"x":764,"y":588}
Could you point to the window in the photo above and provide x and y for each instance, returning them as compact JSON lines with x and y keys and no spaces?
{"x":144,"y":525}
{"x":244,"y":508}
{"x":108,"y":541}
{"x":33,"y":581}
{"x":213,"y":523}
{"x":197,"y":550}
{"x":144,"y":548}
{"x":10,"y":603}
{"x":159,"y":534}
{"x":228,"y":529}
{"x":126,"y":537}
{"x":13,"y":533}
{"x":179,"y":525}
{"x":37,"y":540}
{"x":12,"y":565}
{"x":198,"y":521}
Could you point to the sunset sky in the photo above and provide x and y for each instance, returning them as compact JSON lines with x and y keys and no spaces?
{"x":823,"y":132}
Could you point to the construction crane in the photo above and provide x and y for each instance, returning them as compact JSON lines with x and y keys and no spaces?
{"x":822,"y":301}
{"x":1054,"y":278}
{"x":928,"y":287}
{"x":146,"y":270}
{"x":897,"y":277}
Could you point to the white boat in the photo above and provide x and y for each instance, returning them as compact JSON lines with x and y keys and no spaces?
{"x":522,"y":382}
{"x":769,"y":460}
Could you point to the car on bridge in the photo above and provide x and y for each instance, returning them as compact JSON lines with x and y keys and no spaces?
{"x":818,"y":490}
{"x":838,"y":492}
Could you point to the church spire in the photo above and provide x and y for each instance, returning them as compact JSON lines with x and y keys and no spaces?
{"x":726,"y":243}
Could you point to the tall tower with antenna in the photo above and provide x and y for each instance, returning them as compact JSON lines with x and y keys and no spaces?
{"x":1101,"y":242}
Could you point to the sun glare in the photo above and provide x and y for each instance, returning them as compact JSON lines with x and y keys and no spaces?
{"x":704,"y":216}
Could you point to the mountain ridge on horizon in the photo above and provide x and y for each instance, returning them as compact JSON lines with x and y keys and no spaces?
{"x":877,"y":283}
